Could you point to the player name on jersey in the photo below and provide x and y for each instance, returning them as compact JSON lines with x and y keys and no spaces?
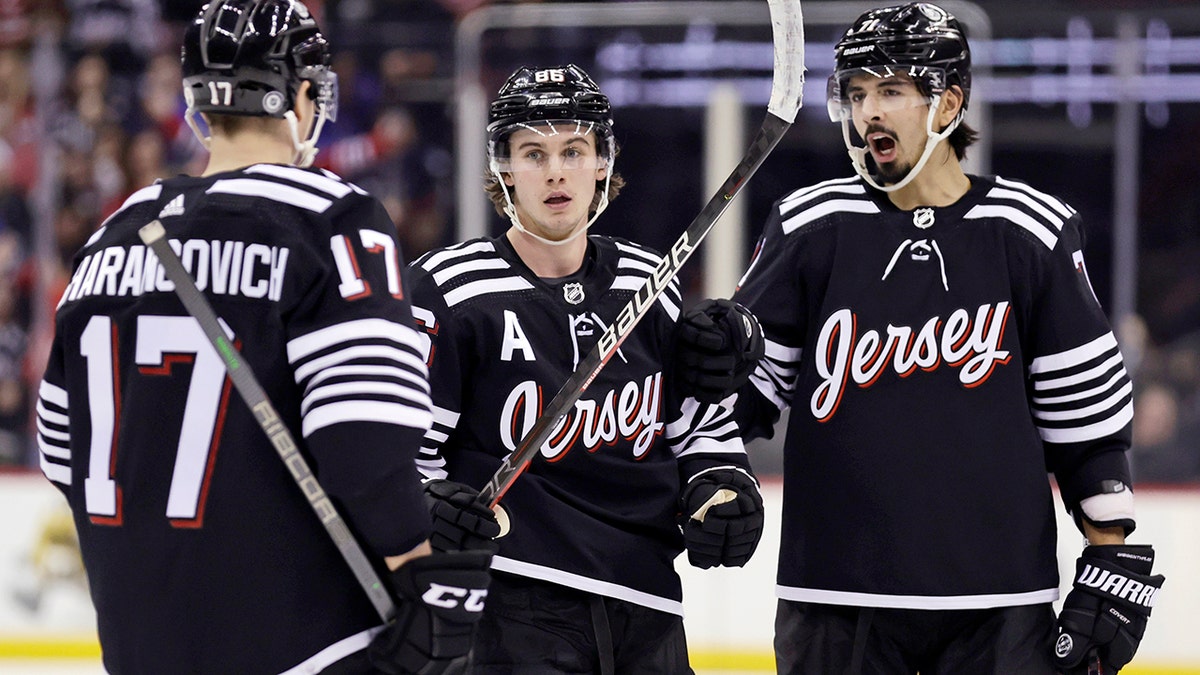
{"x":970,"y":344}
{"x":251,"y":270}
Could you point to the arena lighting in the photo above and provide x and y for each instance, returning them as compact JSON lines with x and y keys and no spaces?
{"x":1076,"y":69}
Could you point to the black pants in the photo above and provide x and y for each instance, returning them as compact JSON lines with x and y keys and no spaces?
{"x":536,"y":628}
{"x":813,"y":639}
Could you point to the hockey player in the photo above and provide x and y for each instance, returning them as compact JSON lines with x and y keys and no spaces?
{"x":202,"y":553}
{"x":584,"y":581}
{"x":938,"y":341}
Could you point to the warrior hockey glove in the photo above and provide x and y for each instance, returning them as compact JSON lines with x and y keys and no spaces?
{"x":718,"y":344}
{"x":722,"y":518}
{"x":460,"y":522}
{"x":441,"y":598}
{"x":1106,"y":611}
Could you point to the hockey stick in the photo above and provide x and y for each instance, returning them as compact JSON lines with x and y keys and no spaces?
{"x":787,"y":89}
{"x":256,"y":399}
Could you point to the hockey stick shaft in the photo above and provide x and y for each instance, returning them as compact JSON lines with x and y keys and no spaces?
{"x":786,"y":92}
{"x":154,"y":235}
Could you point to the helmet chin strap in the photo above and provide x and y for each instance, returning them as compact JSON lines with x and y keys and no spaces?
{"x":306,"y":151}
{"x":511,"y":211}
{"x":190,"y":116}
{"x":858,"y":156}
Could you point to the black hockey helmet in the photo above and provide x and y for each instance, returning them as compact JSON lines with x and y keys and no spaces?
{"x":532,"y":95}
{"x":249,"y":57}
{"x":919,"y":39}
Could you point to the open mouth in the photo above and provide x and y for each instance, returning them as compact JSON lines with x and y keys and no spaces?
{"x":557,"y":200}
{"x":883,"y":147}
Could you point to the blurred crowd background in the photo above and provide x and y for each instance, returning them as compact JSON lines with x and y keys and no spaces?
{"x":91,"y":110}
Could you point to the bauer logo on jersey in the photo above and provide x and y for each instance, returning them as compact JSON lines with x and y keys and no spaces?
{"x":970,"y":343}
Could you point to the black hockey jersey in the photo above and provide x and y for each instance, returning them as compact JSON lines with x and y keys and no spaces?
{"x":597,"y":509}
{"x":203,"y":555}
{"x":936,"y":362}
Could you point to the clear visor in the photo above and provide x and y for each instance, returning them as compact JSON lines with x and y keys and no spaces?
{"x":881,"y":89}
{"x":325,"y":85}
{"x":550,"y":145}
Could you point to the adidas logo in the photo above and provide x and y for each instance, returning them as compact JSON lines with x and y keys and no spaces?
{"x":173,"y":208}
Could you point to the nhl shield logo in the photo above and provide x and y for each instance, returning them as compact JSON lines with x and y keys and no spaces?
{"x":573,"y":293}
{"x":923,"y":218}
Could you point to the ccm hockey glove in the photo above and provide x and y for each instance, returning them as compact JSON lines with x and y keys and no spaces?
{"x":718,"y":344}
{"x":722,"y":518}
{"x":460,"y":523}
{"x":441,"y":599}
{"x":1107,"y":609}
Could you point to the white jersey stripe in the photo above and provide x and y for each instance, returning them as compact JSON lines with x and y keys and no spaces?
{"x":277,"y":192}
{"x":457,"y":269}
{"x":43,"y":430}
{"x":1086,"y":411}
{"x":56,"y":472}
{"x":1090,"y":432}
{"x":652,"y":258}
{"x":360,"y":352}
{"x":436,"y":259}
{"x":485,"y":287}
{"x":1015,"y":216}
{"x":53,"y":394}
{"x":1054,"y":203}
{"x":366,"y":411}
{"x":334,"y":653}
{"x":586,"y":584}
{"x":797,"y":195}
{"x":633,"y":264}
{"x":316,"y":394}
{"x":371,"y":371}
{"x":1051,"y":217}
{"x":347,"y":331}
{"x":989,"y":601}
{"x":1079,"y":378}
{"x":825,"y":208}
{"x":1074,"y":357}
{"x":328,"y":185}
{"x":795,"y":200}
{"x":146,"y":194}
{"x":1087,"y":393}
{"x":51,"y":416}
{"x":56,"y":451}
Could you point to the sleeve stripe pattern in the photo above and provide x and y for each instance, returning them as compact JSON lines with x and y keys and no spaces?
{"x":1034,"y":211}
{"x":54,"y":436}
{"x":368,"y":370}
{"x":471,"y":270}
{"x":331,"y":186}
{"x":642,"y":263}
{"x":1063,"y":210}
{"x":825,"y":208}
{"x":703,"y":428}
{"x":775,"y":376}
{"x":430,"y":462}
{"x":1084,"y":393}
{"x":146,"y":194}
{"x":277,"y":192}
{"x":432,"y":261}
{"x":848,"y":186}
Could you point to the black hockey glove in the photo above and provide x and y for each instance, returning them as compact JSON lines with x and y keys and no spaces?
{"x":718,"y":343}
{"x":722,"y":518}
{"x":1106,"y":611}
{"x":460,"y":523}
{"x":441,"y":598}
